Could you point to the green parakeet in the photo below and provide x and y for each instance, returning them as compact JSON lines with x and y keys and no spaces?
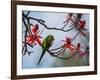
{"x":47,"y":43}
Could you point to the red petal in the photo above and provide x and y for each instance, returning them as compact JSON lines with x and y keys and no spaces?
{"x":78,"y":45}
{"x":81,"y":53}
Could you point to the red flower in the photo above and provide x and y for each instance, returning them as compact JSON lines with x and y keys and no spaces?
{"x":79,"y":24}
{"x":78,"y":45}
{"x":82,"y":24}
{"x":29,"y":39}
{"x":68,"y":44}
{"x":33,"y":39}
{"x":81,"y":53}
{"x":35,"y":29}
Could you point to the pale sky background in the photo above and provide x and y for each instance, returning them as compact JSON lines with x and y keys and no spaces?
{"x":53,"y":19}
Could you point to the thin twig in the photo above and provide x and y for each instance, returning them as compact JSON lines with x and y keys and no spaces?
{"x":75,"y":36}
{"x":28,"y":13}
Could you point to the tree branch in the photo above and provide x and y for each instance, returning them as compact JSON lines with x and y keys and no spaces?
{"x":42,"y":23}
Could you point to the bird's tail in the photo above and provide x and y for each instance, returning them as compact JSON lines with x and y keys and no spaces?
{"x":43,"y":52}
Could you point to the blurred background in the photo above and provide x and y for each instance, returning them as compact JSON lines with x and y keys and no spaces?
{"x":55,"y":19}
